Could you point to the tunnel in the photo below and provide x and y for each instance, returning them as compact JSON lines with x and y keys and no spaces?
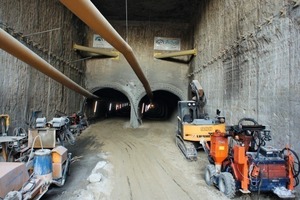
{"x":113,"y":103}
{"x":163,"y":106}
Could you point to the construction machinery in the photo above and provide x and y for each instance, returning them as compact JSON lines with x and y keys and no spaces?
{"x":22,"y":181}
{"x":241,"y":161}
{"x":40,"y":164}
{"x":4,"y":124}
{"x":194,"y":123}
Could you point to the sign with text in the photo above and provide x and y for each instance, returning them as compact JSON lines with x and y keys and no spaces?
{"x":170,"y":44}
{"x":99,"y":42}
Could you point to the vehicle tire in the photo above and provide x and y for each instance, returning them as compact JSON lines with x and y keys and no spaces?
{"x":227,"y":184}
{"x":210,"y":172}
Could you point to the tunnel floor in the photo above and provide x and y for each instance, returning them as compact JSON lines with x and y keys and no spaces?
{"x":142,"y":163}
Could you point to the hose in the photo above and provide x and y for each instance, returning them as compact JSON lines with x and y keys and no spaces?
{"x":31,"y":151}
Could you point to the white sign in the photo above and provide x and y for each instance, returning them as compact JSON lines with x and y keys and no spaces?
{"x":99,"y":42}
{"x":170,"y":44}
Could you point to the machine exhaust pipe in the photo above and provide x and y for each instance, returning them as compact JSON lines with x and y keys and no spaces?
{"x":17,"y":49}
{"x":95,"y":50}
{"x":90,"y":15}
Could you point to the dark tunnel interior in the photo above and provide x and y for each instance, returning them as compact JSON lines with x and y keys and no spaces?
{"x":163,"y":107}
{"x":114,"y":103}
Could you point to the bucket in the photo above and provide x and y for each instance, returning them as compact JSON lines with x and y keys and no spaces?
{"x":43,"y":164}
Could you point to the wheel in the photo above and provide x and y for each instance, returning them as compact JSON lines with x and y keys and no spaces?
{"x":210,"y":172}
{"x":227,"y":184}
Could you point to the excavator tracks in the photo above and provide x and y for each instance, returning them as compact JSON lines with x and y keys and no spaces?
{"x":187,"y":148}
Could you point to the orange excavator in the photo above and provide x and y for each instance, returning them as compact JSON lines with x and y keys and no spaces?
{"x":241,"y":161}
{"x":194,"y":123}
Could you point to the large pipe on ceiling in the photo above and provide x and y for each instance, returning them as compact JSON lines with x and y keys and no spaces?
{"x":17,"y":49}
{"x":89,"y":14}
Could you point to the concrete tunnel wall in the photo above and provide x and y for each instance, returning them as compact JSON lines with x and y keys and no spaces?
{"x":249,"y":65}
{"x":47,"y":29}
{"x":161,"y":74}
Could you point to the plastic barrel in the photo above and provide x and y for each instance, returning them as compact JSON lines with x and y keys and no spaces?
{"x":43,"y":164}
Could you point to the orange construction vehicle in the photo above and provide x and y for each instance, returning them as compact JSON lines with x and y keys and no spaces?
{"x":194,"y":123}
{"x":241,"y":161}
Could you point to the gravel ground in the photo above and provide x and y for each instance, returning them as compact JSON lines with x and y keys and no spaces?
{"x":118,"y":162}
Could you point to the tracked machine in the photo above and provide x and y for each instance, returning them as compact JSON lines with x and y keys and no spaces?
{"x":240,"y":160}
{"x":194,"y":123}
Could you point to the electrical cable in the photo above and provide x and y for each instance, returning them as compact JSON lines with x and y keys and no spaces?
{"x":31,"y":151}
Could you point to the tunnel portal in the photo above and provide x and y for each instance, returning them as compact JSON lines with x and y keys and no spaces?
{"x":163,"y":106}
{"x":114,"y":103}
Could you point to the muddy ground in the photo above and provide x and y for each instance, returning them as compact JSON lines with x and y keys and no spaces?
{"x":115,"y":161}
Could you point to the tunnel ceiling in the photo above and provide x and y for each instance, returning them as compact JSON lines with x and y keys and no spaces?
{"x":148,"y":10}
{"x":109,"y":93}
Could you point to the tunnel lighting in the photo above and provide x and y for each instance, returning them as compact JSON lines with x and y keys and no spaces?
{"x":151,"y":106}
{"x":143,"y":106}
{"x":110,"y":106}
{"x":147,"y":107}
{"x":95,"y":107}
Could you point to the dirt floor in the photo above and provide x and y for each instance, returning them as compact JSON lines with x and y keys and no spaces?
{"x":114,"y":161}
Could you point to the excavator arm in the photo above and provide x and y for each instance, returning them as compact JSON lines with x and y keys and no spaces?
{"x":198,"y":96}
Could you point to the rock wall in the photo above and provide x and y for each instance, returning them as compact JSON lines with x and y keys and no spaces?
{"x":249,"y":63}
{"x":48,"y":29}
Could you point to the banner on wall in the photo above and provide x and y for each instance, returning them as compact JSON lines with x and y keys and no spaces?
{"x":169,"y":44}
{"x":99,"y":42}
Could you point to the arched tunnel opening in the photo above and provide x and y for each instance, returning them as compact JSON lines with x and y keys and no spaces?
{"x":114,"y":103}
{"x":162,"y":107}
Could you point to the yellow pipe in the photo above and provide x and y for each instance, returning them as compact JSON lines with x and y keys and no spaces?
{"x":7,"y":119}
{"x":17,"y":49}
{"x":95,"y":50}
{"x":90,"y":15}
{"x":176,"y":54}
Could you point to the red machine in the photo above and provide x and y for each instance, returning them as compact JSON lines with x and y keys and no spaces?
{"x":240,"y":160}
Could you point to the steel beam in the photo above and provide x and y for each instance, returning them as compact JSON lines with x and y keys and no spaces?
{"x":90,"y":15}
{"x":95,"y":50}
{"x":17,"y":49}
{"x":176,"y":54}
